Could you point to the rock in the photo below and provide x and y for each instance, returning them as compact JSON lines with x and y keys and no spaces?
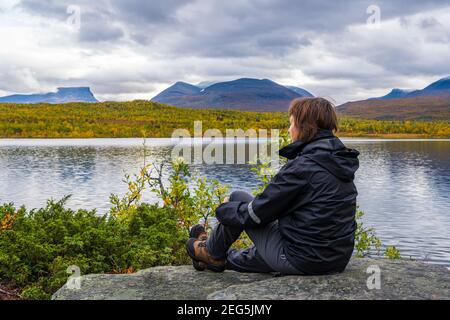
{"x":399,"y":279}
{"x":171,"y":282}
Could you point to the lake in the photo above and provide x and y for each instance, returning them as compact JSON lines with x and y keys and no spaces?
{"x":403,"y":185}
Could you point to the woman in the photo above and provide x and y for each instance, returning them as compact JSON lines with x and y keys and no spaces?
{"x":304,"y":221}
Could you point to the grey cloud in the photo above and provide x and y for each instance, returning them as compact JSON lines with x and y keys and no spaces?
{"x":259,"y":38}
{"x":97,"y":27}
{"x":429,"y":22}
{"x":97,"y":17}
{"x":138,"y":12}
{"x":217,"y":28}
{"x":49,"y":8}
{"x":100,"y":19}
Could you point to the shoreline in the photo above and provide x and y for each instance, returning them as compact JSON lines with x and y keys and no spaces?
{"x":387,"y":136}
{"x":400,"y":136}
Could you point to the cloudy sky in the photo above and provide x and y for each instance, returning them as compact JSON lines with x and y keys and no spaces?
{"x":130,"y":49}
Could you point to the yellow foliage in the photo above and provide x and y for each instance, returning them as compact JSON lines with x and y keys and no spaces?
{"x":145,"y":118}
{"x":7,"y":221}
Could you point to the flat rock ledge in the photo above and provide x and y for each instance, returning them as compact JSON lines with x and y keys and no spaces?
{"x":363,"y":279}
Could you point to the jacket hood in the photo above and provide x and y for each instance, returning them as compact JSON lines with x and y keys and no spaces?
{"x":329,"y":152}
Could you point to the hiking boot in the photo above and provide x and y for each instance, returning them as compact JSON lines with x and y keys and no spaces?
{"x":198,"y":232}
{"x":197,"y":251}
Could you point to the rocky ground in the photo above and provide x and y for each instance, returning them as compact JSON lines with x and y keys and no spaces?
{"x":363,"y":279}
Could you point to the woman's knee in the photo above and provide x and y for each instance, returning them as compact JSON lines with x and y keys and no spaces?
{"x":241,"y":196}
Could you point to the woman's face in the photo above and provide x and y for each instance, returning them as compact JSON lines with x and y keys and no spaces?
{"x":293,"y":130}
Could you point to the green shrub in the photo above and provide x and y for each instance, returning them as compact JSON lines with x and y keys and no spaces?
{"x":392,"y":252}
{"x":37,"y":247}
{"x":190,"y":196}
{"x":365,"y":238}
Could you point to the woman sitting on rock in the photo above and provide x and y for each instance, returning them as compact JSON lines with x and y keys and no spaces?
{"x":304,"y":221}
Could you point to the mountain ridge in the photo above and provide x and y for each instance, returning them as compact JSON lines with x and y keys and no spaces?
{"x":62,"y":95}
{"x":430,"y":103}
{"x":246,"y":94}
{"x":439,"y":87}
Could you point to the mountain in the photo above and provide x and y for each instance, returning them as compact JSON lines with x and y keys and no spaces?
{"x":241,"y":94}
{"x":300,"y":91}
{"x":205,"y":84}
{"x":62,"y":95}
{"x":416,"y":108}
{"x":440,"y":87}
{"x":178,"y":90}
{"x":394,"y":94}
{"x":437,"y":88}
{"x":429,"y":103}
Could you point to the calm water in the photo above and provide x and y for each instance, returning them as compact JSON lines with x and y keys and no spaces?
{"x":404,"y":186}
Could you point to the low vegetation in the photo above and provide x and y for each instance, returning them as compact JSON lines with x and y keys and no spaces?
{"x":39,"y":247}
{"x":144,"y":118}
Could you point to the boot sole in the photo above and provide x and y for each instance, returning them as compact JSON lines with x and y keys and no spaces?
{"x":195,"y":233}
{"x":199,"y":266}
{"x":191,"y":253}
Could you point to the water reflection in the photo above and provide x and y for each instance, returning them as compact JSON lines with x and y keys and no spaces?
{"x":404,"y":186}
{"x":404,"y":189}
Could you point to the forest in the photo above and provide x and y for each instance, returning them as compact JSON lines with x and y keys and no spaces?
{"x":148,"y":119}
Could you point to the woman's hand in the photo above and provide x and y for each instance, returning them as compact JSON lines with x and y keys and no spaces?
{"x":227,"y":199}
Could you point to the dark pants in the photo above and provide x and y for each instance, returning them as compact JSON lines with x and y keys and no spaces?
{"x":266,"y":254}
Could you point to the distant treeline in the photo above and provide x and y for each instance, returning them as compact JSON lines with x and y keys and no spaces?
{"x":144,"y":118}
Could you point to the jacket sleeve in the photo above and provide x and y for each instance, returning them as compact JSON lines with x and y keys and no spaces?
{"x":278,"y":197}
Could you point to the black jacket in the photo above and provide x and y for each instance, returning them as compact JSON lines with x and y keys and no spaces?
{"x":313,"y":197}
